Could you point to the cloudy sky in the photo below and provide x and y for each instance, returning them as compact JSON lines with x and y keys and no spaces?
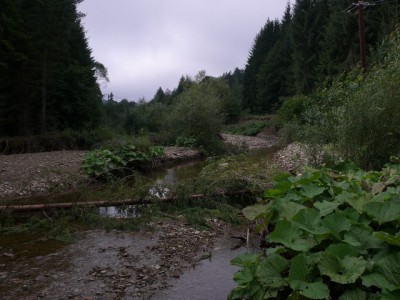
{"x":146,"y":44}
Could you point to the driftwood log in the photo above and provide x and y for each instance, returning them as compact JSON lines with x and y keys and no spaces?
{"x":105,"y":203}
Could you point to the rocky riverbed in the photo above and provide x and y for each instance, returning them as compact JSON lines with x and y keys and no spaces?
{"x":105,"y":265}
{"x":109,"y":265}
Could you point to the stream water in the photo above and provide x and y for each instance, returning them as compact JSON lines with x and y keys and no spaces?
{"x":30,"y":264}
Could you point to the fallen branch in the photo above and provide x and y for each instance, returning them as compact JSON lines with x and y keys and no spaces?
{"x":104,"y":203}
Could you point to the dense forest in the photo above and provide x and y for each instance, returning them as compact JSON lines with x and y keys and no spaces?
{"x":49,"y":77}
{"x":47,"y":73}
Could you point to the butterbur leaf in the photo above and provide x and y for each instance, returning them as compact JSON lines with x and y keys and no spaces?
{"x":341,"y":250}
{"x":359,"y":201}
{"x":292,"y":237}
{"x":314,"y":290}
{"x":275,"y":250}
{"x":386,"y":295}
{"x":389,"y":267}
{"x":384,"y":212}
{"x":336,"y":223}
{"x":299,"y":268}
{"x":245,"y":260}
{"x":309,"y":220}
{"x":354,"y":295}
{"x":244,"y":277}
{"x":237,"y":293}
{"x":287,"y":210}
{"x":326,"y":207}
{"x":312,"y":190}
{"x":269,"y":272}
{"x":344,"y":271}
{"x":378,"y":280}
{"x":362,"y":238}
{"x":388,"y":238}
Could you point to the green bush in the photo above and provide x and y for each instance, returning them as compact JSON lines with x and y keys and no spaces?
{"x":199,"y":114}
{"x":357,"y":112}
{"x":250,"y":128}
{"x":115,"y":162}
{"x":370,"y":126}
{"x":330,"y":234}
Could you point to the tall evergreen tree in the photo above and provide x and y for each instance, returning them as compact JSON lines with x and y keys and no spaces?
{"x":309,"y":21}
{"x":263,"y":43}
{"x":47,"y":68}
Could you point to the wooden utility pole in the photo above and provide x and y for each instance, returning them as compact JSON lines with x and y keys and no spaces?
{"x":361,"y":28}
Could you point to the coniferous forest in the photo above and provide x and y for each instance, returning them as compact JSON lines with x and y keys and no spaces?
{"x":49,"y":77}
{"x":47,"y":73}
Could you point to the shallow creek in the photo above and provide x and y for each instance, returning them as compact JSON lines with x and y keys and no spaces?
{"x":114,"y":265}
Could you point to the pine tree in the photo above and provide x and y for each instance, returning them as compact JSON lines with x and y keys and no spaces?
{"x":309,"y":20}
{"x":263,"y":43}
{"x":47,"y":73}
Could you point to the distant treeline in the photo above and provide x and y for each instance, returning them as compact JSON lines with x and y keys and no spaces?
{"x":48,"y":75}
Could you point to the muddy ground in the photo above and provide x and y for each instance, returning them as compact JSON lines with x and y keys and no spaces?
{"x":109,"y":265}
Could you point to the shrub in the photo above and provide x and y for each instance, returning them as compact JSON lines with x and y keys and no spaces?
{"x":198,"y":114}
{"x":370,"y":126}
{"x":250,"y":128}
{"x":108,"y":163}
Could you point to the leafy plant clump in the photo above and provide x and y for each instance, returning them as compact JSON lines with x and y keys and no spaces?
{"x":330,"y":234}
{"x":251,"y":128}
{"x":108,"y":163}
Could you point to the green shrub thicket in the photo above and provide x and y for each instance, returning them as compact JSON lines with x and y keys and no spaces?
{"x":199,"y":113}
{"x":357,"y":112}
{"x":250,"y":128}
{"x":119,"y":159}
{"x":330,"y":235}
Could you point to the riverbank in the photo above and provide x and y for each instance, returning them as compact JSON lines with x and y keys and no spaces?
{"x":47,"y":172}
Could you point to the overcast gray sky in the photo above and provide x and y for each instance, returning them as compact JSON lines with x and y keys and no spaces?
{"x":146,"y":44}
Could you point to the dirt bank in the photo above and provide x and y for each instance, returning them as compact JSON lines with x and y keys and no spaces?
{"x":36,"y":173}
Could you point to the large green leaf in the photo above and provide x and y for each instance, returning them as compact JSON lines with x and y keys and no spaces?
{"x":246,"y":259}
{"x":362,"y":238}
{"x":378,"y":280}
{"x":384,"y":212}
{"x":389,"y":267}
{"x":326,"y":207}
{"x":394,"y":295}
{"x":309,"y":220}
{"x":359,"y":201}
{"x":344,"y":196}
{"x":287,"y":209}
{"x":292,"y":237}
{"x":269,"y":272}
{"x":344,"y":271}
{"x":336,"y":223}
{"x":388,"y":238}
{"x":299,"y":269}
{"x":244,"y":277}
{"x":314,"y":290}
{"x":312,"y":190}
{"x":341,"y":250}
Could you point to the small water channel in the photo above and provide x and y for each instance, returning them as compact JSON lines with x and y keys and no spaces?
{"x":29,"y":264}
